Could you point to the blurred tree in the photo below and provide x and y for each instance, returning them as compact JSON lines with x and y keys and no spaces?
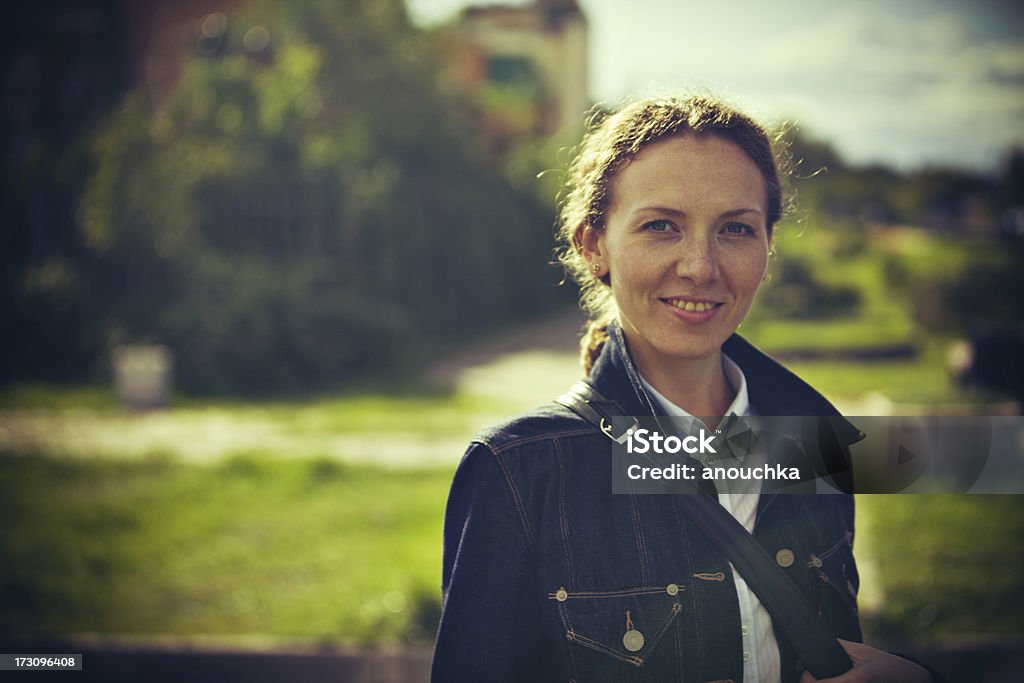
{"x":983,"y":296}
{"x":794,"y":292}
{"x":1010,"y":196}
{"x":61,"y":68}
{"x":809,"y":154}
{"x":828,"y":185}
{"x":1011,"y":181}
{"x":950,"y":199}
{"x":985,"y":304}
{"x":307,"y":206}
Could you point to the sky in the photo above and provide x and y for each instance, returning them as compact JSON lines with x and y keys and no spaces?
{"x":909,"y":83}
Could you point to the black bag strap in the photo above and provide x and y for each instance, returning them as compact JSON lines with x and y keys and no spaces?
{"x":811,"y":637}
{"x":585,"y":401}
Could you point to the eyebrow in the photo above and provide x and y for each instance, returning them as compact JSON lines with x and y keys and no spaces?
{"x":678,"y":212}
{"x":740,"y":212}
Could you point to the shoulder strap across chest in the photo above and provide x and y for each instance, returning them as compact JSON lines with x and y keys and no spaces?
{"x":811,"y":637}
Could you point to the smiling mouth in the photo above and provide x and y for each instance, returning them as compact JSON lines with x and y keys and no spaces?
{"x":692,"y":306}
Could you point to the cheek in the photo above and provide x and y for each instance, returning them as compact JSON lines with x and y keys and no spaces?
{"x":634,"y":268}
{"x":747,"y":272}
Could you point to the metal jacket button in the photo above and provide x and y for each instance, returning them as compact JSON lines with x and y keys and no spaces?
{"x":561,"y":595}
{"x":672,"y":589}
{"x":633,"y":640}
{"x":784,"y":558}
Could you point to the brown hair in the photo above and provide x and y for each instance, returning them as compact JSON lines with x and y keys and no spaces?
{"x":609,"y":144}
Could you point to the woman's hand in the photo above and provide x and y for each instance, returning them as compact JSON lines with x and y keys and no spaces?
{"x":871,"y":665}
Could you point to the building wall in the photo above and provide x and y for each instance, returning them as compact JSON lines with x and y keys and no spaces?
{"x":557,"y":47}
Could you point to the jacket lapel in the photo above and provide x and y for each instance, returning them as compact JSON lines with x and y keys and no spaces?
{"x":773,"y":390}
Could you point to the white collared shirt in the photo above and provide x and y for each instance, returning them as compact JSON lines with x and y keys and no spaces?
{"x":761,"y":662}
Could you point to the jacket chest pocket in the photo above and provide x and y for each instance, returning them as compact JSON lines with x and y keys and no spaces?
{"x":622,"y":635}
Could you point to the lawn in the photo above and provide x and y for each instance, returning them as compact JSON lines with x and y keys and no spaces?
{"x":313,"y":549}
{"x":941,"y":565}
{"x":305,"y":548}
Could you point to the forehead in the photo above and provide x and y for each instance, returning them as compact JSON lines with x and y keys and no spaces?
{"x":682,"y":170}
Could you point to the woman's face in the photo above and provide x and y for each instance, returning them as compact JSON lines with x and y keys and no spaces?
{"x":685,"y":246}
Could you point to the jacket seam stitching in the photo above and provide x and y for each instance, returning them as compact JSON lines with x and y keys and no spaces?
{"x":563,"y":514}
{"x":497,"y":449}
{"x":516,"y":498}
{"x":638,"y":535}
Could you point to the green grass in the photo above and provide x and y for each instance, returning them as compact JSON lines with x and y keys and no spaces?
{"x":316,"y":550}
{"x":38,"y":395}
{"x":881,"y":318}
{"x":305,"y":548}
{"x":900,"y":381}
{"x":942,"y":565}
{"x":921,"y":381}
{"x":865,"y":331}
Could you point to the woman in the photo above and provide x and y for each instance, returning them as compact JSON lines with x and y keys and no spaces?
{"x":547,"y":575}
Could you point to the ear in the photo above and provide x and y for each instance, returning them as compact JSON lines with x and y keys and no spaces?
{"x":593,"y":249}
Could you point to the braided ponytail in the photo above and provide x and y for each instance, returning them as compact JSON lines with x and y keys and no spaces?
{"x":594,"y":337}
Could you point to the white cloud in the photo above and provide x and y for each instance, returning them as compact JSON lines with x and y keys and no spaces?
{"x":907,"y":88}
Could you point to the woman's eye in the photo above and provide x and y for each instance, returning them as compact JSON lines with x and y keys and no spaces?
{"x":658,"y":226}
{"x":738,"y":229}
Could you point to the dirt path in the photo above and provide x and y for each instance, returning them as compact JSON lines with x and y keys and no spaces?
{"x":524,"y":367}
{"x":490,"y":379}
{"x":493,"y":378}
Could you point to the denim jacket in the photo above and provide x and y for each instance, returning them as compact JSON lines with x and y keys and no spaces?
{"x":545,"y":570}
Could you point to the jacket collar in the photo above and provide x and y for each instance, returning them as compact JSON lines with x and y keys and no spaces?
{"x":616,"y":378}
{"x":773,"y":389}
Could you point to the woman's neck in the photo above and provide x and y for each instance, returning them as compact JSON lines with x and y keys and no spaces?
{"x":698,"y":386}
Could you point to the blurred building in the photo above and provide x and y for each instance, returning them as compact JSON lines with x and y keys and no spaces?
{"x":162,"y":36}
{"x":527,"y":65}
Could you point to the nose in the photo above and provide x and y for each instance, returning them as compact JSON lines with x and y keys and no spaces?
{"x":697,"y":261}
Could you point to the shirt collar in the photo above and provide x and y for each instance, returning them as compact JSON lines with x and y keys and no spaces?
{"x":739,"y":407}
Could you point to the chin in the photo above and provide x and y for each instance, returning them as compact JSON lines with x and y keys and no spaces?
{"x":690,"y":350}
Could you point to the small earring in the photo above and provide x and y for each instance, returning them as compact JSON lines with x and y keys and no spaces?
{"x":596,"y":267}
